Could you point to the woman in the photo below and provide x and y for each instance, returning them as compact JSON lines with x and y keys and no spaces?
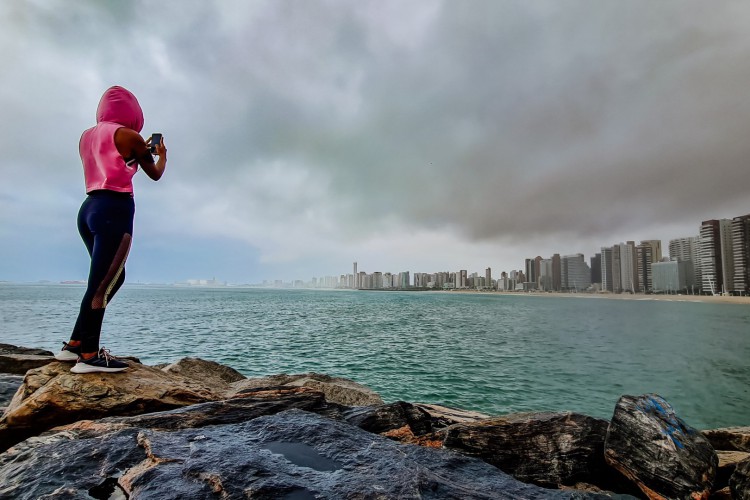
{"x":110,"y":152}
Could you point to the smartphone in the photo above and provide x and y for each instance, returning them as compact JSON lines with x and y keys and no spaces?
{"x":155,"y":139}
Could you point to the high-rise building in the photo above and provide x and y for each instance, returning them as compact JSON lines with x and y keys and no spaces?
{"x":741,"y":250}
{"x":607,"y":270}
{"x":488,"y":277}
{"x":684,"y":250}
{"x":596,"y":268}
{"x":356,"y":276}
{"x":655,"y":248}
{"x":727,"y":256}
{"x":709,"y":253}
{"x":556,"y":273}
{"x":575,"y":273}
{"x":644,"y":260}
{"x":616,"y":269}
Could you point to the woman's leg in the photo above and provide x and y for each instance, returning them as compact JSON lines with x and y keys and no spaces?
{"x":106,"y":225}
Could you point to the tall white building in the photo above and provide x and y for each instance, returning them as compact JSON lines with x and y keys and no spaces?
{"x":741,"y":249}
{"x":710,"y":256}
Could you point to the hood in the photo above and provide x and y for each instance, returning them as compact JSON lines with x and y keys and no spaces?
{"x":119,"y":105}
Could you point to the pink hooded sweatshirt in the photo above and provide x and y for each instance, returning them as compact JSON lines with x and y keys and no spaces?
{"x":103,"y":166}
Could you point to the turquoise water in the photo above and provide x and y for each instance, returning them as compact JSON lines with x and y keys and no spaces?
{"x":492,"y":353}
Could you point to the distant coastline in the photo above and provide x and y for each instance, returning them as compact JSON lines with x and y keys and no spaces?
{"x":715,"y":299}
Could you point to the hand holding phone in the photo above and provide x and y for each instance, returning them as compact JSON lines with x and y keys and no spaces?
{"x":153,"y":141}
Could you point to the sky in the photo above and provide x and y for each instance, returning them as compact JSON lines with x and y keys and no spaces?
{"x":423,"y":136}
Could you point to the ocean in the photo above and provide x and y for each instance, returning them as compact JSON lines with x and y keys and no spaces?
{"x":493,"y":353}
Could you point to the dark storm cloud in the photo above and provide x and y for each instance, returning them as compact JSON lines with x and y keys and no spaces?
{"x":330,"y":122}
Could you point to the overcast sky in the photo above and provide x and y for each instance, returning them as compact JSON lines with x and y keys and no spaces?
{"x":421,"y":135}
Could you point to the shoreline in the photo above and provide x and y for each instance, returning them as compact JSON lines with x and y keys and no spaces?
{"x":709,"y":299}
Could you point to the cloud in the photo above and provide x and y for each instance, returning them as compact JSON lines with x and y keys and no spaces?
{"x":319,"y":131}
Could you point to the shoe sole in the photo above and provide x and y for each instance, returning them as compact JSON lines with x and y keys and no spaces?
{"x":84,"y":368}
{"x":66,"y":356}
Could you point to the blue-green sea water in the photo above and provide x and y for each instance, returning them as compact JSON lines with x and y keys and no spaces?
{"x":491,"y":353}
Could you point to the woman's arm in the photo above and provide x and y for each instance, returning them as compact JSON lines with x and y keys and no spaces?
{"x":130,"y":144}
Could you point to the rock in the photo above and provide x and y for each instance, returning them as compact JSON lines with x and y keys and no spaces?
{"x":209,"y":373}
{"x":650,"y":445}
{"x":547,"y":449}
{"x":9,"y":384}
{"x":443,"y":416}
{"x":20,"y":363}
{"x":52,"y":395}
{"x":13,"y":349}
{"x":294,"y":454}
{"x":728,"y":461}
{"x":739,"y":484}
{"x":228,"y":411}
{"x":399,"y":421}
{"x":722,"y":494}
{"x":337,"y":390}
{"x":729,"y":438}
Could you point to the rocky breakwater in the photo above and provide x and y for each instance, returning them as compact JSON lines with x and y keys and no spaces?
{"x":197,"y":429}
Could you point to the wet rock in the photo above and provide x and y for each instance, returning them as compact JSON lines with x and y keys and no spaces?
{"x":209,"y":373}
{"x":729,"y":438}
{"x":548,"y":449}
{"x":294,"y":454}
{"x":739,"y":484}
{"x":728,"y":461}
{"x":9,"y":384}
{"x":52,"y":395}
{"x":337,"y":390}
{"x":656,"y":450}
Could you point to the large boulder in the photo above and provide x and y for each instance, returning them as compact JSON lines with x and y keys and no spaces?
{"x":547,"y":449}
{"x":337,"y":390}
{"x":209,"y":373}
{"x":294,"y":454}
{"x":739,"y":484}
{"x":52,"y":395}
{"x":656,"y":450}
{"x":729,"y":438}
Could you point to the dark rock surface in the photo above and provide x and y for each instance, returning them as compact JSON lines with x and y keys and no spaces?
{"x":729,"y":438}
{"x":547,"y":449}
{"x":229,"y":411}
{"x":400,"y":421}
{"x":739,"y":484}
{"x":650,"y":445}
{"x":294,"y":454}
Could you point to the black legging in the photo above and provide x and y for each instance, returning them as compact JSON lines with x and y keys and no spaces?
{"x":105,"y":223}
